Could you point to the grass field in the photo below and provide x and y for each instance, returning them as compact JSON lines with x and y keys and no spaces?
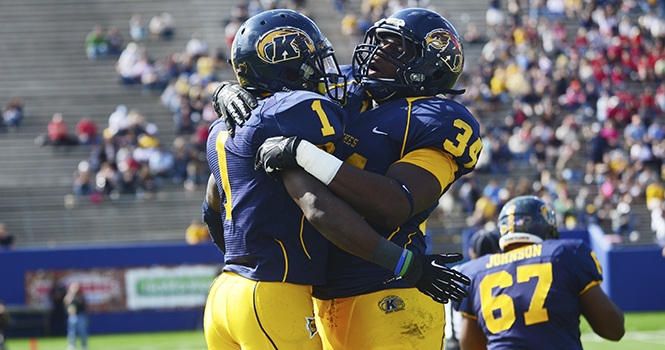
{"x":644,"y":331}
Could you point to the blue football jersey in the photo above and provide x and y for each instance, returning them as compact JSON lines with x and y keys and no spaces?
{"x":266,"y":234}
{"x":373,"y":141}
{"x":528,"y":298}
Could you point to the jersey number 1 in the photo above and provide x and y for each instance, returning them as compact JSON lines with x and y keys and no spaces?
{"x":327,"y":129}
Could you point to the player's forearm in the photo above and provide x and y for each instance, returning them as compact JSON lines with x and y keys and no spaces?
{"x":376,"y":197}
{"x":331,"y":216}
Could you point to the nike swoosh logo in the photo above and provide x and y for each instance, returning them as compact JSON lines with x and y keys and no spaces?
{"x":438,"y":266}
{"x":376,"y":131}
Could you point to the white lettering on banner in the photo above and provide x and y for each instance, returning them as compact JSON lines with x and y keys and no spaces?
{"x":169,"y":287}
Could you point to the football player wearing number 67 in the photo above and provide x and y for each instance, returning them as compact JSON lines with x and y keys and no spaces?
{"x":531,"y":295}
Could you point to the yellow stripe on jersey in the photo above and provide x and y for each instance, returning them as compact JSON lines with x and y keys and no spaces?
{"x":302,"y":226}
{"x":436,"y":161}
{"x":223,"y":171}
{"x":408,"y":121}
{"x":286,"y":260}
{"x":393,"y":234}
{"x":409,"y":236}
{"x":600,"y":270}
{"x":588,"y":286}
{"x":469,"y":315}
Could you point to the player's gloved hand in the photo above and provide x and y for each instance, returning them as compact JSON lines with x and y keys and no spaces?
{"x":233,"y":104}
{"x":277,"y":153}
{"x":429,"y":274}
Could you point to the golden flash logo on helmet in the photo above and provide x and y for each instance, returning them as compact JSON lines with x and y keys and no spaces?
{"x":548,"y":214}
{"x":283,"y":44}
{"x":242,"y":68}
{"x":448,"y":47}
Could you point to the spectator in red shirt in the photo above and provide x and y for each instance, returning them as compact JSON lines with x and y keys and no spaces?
{"x":57,"y":132}
{"x":86,"y":130}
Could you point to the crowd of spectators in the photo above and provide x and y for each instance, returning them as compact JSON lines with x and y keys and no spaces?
{"x":575,"y":119}
{"x":244,"y":9}
{"x":100,"y":44}
{"x":129,"y":158}
{"x":354,"y":25}
{"x":126,"y":155}
{"x":161,"y":26}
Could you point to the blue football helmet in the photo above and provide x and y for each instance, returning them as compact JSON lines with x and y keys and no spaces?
{"x":526,"y":219}
{"x":283,"y":50}
{"x":437,"y":62}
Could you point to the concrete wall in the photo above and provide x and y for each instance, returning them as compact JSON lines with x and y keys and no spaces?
{"x":16,"y":263}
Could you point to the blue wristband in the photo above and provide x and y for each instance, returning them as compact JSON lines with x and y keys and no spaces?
{"x":404,"y":262}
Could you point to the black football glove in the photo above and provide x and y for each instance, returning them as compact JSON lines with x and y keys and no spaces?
{"x":433,"y":278}
{"x":233,"y":104}
{"x":277,"y":153}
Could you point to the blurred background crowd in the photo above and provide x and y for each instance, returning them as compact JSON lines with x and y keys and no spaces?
{"x":570,"y":95}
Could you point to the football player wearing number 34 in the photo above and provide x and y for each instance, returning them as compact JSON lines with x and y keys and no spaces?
{"x":531,"y":295}
{"x":395,"y":161}
{"x":273,"y":256}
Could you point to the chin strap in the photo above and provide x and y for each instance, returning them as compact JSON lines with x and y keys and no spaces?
{"x":452,"y":92}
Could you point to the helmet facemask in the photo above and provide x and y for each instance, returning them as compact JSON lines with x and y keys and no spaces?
{"x":326,"y":74}
{"x":365,"y":54}
{"x":429,"y":64}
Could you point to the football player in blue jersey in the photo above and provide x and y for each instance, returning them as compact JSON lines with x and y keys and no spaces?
{"x":482,"y":242}
{"x":395,"y":162}
{"x":273,"y":255}
{"x":531,"y":295}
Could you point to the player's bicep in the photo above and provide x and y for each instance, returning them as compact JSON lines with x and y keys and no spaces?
{"x":423,"y":185}
{"x":426,"y":173}
{"x":604,"y":317}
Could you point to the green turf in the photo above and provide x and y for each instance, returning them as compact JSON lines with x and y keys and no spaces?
{"x":187,"y":340}
{"x":644,"y":331}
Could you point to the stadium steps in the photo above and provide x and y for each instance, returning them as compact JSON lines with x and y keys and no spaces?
{"x":45,"y":219}
{"x":43,"y":61}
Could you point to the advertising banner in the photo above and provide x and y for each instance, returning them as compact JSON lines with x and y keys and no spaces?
{"x":122,"y":289}
{"x":102,"y":288}
{"x":169,"y":287}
